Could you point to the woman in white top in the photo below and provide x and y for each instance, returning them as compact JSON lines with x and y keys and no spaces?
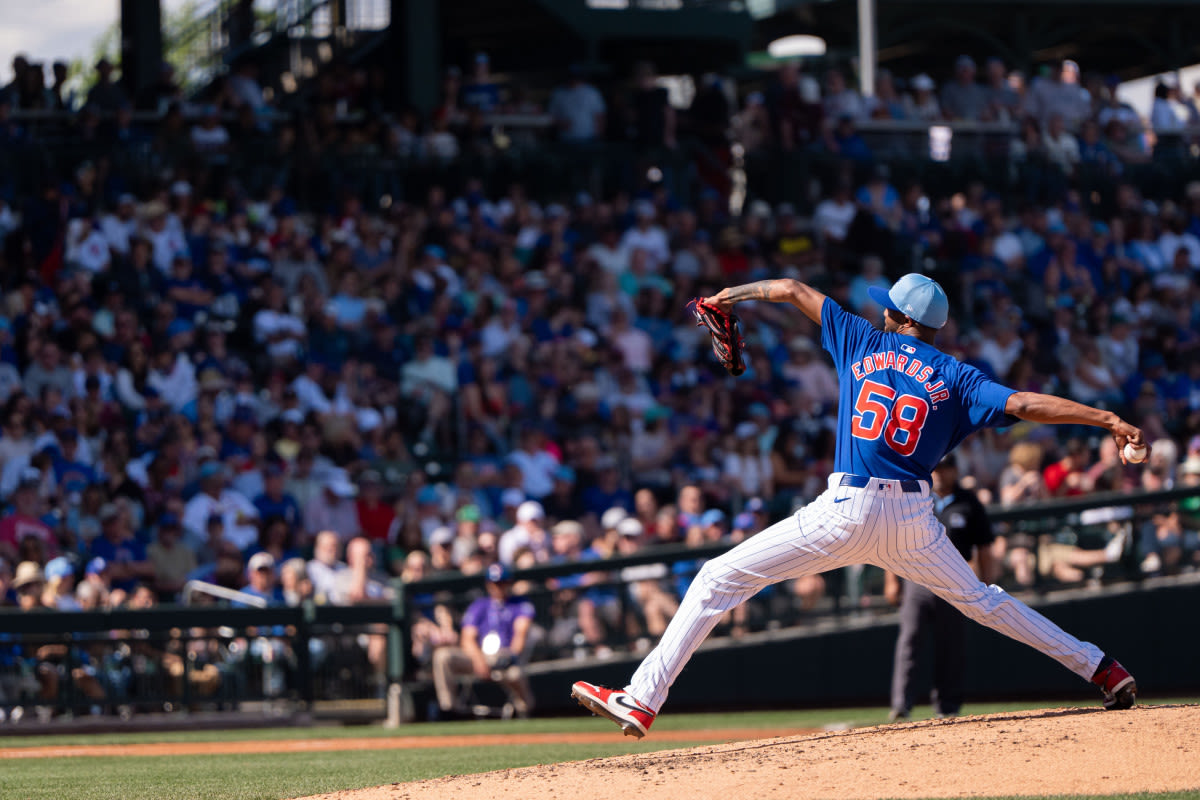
{"x":131,"y":378}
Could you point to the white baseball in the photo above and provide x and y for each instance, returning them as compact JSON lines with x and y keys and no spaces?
{"x":1135,"y":455}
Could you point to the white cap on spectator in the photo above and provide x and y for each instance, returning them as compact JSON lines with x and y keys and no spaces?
{"x":529,"y":511}
{"x":260,"y":561}
{"x":1190,"y":466}
{"x":923,"y":83}
{"x":630,"y":526}
{"x":612,"y":518}
{"x":441,"y":535}
{"x":567,"y":527}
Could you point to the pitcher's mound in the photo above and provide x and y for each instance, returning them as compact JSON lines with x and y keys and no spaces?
{"x":1048,"y":752}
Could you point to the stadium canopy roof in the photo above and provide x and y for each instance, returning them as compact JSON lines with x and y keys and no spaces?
{"x":1126,"y":38}
{"x":529,"y":35}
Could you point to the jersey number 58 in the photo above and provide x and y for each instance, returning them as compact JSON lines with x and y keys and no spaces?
{"x":879,"y":411}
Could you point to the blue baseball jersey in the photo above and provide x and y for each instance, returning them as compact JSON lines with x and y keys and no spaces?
{"x":903,"y":404}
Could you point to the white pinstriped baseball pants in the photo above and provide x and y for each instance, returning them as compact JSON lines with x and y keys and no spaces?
{"x":878,"y":525}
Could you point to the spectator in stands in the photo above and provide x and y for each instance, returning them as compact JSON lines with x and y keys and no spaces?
{"x":844,"y":142}
{"x":653,"y":604}
{"x":261,"y":581}
{"x":244,"y":88}
{"x":887,"y":103}
{"x":653,"y":115}
{"x":1065,"y":476}
{"x":274,"y":501}
{"x":209,"y":136}
{"x":1003,"y":102}
{"x":793,"y":103}
{"x":238,"y":515}
{"x":324,"y":568}
{"x":578,"y":108}
{"x":529,"y":533}
{"x":1060,"y":145}
{"x":360,"y":582}
{"x":963,"y":98}
{"x":24,"y":522}
{"x":1163,"y":117}
{"x":171,"y":560}
{"x":480,"y":92}
{"x":334,"y":508}
{"x":124,"y":555}
{"x":834,"y":214}
{"x":106,"y":95}
{"x":492,"y":645}
{"x":841,"y":101}
{"x":923,"y":104}
{"x":1059,"y":93}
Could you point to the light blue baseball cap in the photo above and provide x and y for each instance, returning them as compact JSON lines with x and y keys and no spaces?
{"x":915,"y":296}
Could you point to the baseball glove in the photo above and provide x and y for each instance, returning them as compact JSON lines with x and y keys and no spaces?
{"x":726,"y":337}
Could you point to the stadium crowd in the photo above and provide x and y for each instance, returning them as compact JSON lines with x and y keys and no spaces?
{"x":299,"y":401}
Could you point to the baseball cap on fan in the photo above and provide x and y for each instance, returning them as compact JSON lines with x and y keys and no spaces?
{"x":915,"y":296}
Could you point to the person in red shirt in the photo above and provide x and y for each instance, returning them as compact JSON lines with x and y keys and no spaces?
{"x":23,"y":521}
{"x":1064,"y":477}
{"x":375,"y":516}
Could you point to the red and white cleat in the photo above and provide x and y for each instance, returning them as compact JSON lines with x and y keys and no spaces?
{"x":1120,"y":690}
{"x":616,"y":704}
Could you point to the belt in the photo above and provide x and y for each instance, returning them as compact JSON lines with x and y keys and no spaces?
{"x":862,"y":482}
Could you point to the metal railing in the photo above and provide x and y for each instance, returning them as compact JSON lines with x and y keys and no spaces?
{"x":196,"y":658}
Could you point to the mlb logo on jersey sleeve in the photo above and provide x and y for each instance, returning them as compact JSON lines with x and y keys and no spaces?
{"x":908,"y":348}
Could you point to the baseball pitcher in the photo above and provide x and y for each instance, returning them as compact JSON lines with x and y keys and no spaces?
{"x":903,"y":405}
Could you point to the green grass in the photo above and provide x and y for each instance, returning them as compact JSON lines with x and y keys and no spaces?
{"x":284,"y":775}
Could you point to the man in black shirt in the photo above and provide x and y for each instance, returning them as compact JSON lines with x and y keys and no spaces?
{"x":921,"y":611}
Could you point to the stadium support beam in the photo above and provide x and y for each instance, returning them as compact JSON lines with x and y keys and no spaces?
{"x":866,"y":47}
{"x":417,"y":37}
{"x":141,"y":44}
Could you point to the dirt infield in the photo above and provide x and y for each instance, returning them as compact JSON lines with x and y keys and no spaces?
{"x":372,"y":743}
{"x":1047,"y":752}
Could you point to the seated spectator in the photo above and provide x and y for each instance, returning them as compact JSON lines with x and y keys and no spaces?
{"x":492,"y":645}
{"x":887,"y":103}
{"x":25,"y":520}
{"x":275,"y":501}
{"x":923,"y":104}
{"x":577,"y":108}
{"x":124,"y":555}
{"x":653,"y":604}
{"x":261,"y":581}
{"x":1060,"y":145}
{"x":359,"y":582}
{"x":334,"y":508}
{"x":843,"y":141}
{"x":1064,"y":477}
{"x":209,"y":136}
{"x":172,"y":560}
{"x":529,"y":533}
{"x":834,"y":214}
{"x":238,"y":515}
{"x":59,"y":593}
{"x":841,"y":101}
{"x":963,"y":98}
